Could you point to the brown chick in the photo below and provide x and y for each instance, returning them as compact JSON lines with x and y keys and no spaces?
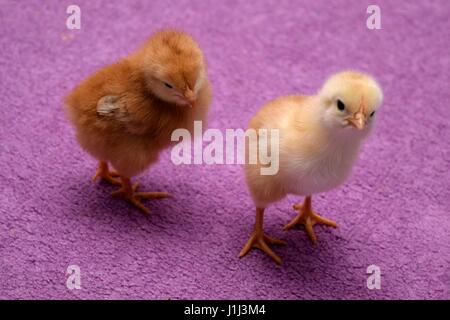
{"x":125,"y":113}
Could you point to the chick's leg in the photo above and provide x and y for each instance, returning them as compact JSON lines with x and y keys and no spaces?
{"x":106,"y":175}
{"x":308,"y":218}
{"x":128,"y":192}
{"x":259,"y":240}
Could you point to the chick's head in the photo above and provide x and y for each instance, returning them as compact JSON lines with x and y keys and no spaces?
{"x":350,"y":101}
{"x":174,"y":67}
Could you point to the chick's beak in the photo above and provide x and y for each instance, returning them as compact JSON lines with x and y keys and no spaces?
{"x":192,"y":103}
{"x":190,"y":98}
{"x":358,"y":121}
{"x":359,"y":118}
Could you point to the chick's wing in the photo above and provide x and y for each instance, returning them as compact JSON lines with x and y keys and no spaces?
{"x":110,"y":100}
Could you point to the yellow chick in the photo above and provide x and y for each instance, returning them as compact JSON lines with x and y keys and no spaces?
{"x":319,"y":140}
{"x":125,"y":113}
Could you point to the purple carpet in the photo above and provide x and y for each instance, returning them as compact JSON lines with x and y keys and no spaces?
{"x":393,"y":212}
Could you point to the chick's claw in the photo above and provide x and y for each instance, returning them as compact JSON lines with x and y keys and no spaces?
{"x":132,"y":199}
{"x":128,"y":192}
{"x":105,"y":174}
{"x":308,"y":218}
{"x":151,"y":195}
{"x":260,"y":241}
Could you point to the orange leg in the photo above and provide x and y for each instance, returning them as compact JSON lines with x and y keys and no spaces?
{"x":308,"y":218}
{"x":128,"y":192}
{"x":106,"y":175}
{"x":259,"y":240}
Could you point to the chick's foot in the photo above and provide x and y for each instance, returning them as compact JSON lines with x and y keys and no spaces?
{"x":105,"y":174}
{"x":260,"y":241}
{"x":308,"y":218}
{"x":128,"y":192}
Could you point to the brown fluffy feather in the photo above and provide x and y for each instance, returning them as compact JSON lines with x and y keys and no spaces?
{"x":143,"y":123}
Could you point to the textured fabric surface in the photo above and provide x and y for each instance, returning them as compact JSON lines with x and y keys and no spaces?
{"x":393,"y":211}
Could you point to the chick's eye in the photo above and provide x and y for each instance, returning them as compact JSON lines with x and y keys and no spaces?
{"x":168,"y":85}
{"x":340,"y":105}
{"x":372,"y":114}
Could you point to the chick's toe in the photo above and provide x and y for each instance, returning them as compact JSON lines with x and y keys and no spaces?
{"x":128,"y":192}
{"x":105,"y":174}
{"x":260,"y":241}
{"x":308,"y":218}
